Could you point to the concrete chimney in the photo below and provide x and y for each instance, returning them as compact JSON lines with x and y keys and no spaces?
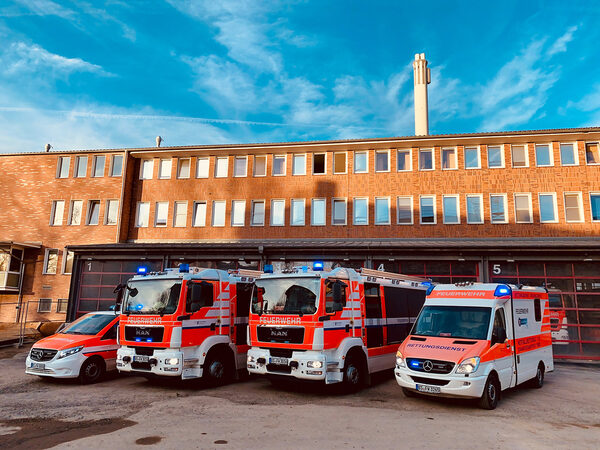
{"x":422,"y":79}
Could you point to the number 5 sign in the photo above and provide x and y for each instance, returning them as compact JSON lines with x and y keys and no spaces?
{"x":497,"y":269}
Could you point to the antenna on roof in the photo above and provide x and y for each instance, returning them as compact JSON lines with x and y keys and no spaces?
{"x":48,"y":147}
{"x":158,"y":141}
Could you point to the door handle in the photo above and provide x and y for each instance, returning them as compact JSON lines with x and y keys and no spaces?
{"x":212,"y":326}
{"x":347,"y":328}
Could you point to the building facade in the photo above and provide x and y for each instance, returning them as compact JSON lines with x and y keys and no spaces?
{"x":519,"y":207}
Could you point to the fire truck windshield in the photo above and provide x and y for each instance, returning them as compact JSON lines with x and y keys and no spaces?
{"x":287,"y":295}
{"x":152,"y":296}
{"x":467,"y":322}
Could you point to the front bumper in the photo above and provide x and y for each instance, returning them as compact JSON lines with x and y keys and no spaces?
{"x":157,"y":363}
{"x":67,"y":367}
{"x":458,"y":384}
{"x":260,"y":361}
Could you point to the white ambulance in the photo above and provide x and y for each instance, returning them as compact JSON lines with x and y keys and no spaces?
{"x":476,"y":340}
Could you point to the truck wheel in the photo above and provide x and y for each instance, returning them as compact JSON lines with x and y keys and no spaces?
{"x":491,"y":392}
{"x":91,"y":371}
{"x":408,"y":392}
{"x":354,"y":373}
{"x":538,"y":381}
{"x":218,"y":368}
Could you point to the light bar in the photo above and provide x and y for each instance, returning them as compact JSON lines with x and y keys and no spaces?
{"x":318,"y":265}
{"x":184,"y":268}
{"x":142,"y":270}
{"x":502,"y":291}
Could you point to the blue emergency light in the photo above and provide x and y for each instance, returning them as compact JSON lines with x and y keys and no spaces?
{"x":138,"y":339}
{"x":149,"y":340}
{"x":318,"y":265}
{"x":142,"y":270}
{"x":184,"y":268}
{"x":268,"y":268}
{"x":502,"y":291}
{"x":414,"y":363}
{"x":429,"y":286}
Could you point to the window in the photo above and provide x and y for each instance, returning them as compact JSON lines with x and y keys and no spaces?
{"x":183,"y":167}
{"x":548,"y":209}
{"x":382,"y":211}
{"x":202,"y":167}
{"x":361,"y":211}
{"x":112,"y":211}
{"x":61,"y":305}
{"x":595,"y":206}
{"x":57,"y":213}
{"x":238,"y":213}
{"x":67,"y":262}
{"x":472,"y":158}
{"x":75,"y":212}
{"x":592,"y":153}
{"x":277,"y":213}
{"x":260,"y":166}
{"x":116,"y":168}
{"x":382,"y":161}
{"x":297,"y":212}
{"x":45,"y":305}
{"x":428,"y":215}
{"x":161,"y":214}
{"x":451,"y":209}
{"x":240,"y":166}
{"x":98,"y":169}
{"x":426,"y":159}
{"x":568,"y":155}
{"x":498,"y":208}
{"x":62,"y":169}
{"x":142,"y":214}
{"x":543,"y":155}
{"x":180,"y":214}
{"x":339,"y":211}
{"x":339,"y":163}
{"x":93,"y":216}
{"x":520,"y":158}
{"x":474,"y":208}
{"x":221,"y":166}
{"x":573,"y":209}
{"x":299,"y":165}
{"x":319,"y":164}
{"x":523,"y":208}
{"x":80,"y":166}
{"x":51,"y":261}
{"x":404,"y":161}
{"x":218,"y":213}
{"x":278,"y":165}
{"x":317,"y":214}
{"x":258,"y":213}
{"x":199,"y":219}
{"x":146,"y":169}
{"x":200,"y":295}
{"x":361,"y":162}
{"x":495,"y":157}
{"x":405,"y":210}
{"x":449,"y":159}
{"x":164,"y":168}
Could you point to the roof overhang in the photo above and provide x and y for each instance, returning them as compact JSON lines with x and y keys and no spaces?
{"x":22,"y":244}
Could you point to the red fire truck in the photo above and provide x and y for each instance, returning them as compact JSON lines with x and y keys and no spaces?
{"x":186,"y":322}
{"x":337,"y":326}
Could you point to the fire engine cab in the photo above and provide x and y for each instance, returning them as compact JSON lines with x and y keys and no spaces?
{"x":186,"y":322}
{"x":476,"y":340}
{"x":336,"y":326}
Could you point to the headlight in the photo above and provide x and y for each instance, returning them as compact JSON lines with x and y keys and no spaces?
{"x":172,"y":361}
{"x":400,"y":359}
{"x":69,"y":352}
{"x":469,"y":365}
{"x":250,"y":359}
{"x":314,"y":364}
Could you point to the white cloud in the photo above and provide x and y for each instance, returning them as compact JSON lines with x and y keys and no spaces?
{"x":560,"y":45}
{"x":37,"y":8}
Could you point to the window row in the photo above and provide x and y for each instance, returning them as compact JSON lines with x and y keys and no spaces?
{"x":45,"y":305}
{"x":63,"y":166}
{"x":51,"y":262}
{"x":75,"y":213}
{"x":451,"y":210}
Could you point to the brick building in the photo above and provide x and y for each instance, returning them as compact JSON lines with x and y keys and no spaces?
{"x":520,"y":207}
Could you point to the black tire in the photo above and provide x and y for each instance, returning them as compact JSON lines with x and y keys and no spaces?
{"x":491,"y":393}
{"x":92,"y":371}
{"x":218,"y":368}
{"x":538,"y":381}
{"x":354,"y":373}
{"x":408,"y":392}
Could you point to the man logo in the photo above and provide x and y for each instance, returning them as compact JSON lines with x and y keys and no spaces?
{"x":427,"y":366}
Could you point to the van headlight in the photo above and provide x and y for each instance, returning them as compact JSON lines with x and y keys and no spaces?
{"x":69,"y":352}
{"x":399,"y":359}
{"x":469,"y":365}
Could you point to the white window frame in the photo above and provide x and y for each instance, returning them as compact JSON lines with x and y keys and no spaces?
{"x":412,"y":210}
{"x":221,"y":158}
{"x":442,"y":158}
{"x":404,"y":150}
{"x":292,"y":201}
{"x":339,"y":199}
{"x":325,"y":161}
{"x":550,"y":152}
{"x":430,"y":150}
{"x":554,"y":205}
{"x":476,"y":147}
{"x":76,"y":168}
{"x":502,"y":156}
{"x":175,"y":210}
{"x":421,"y":197}
{"x":284,"y":155}
{"x":64,"y":261}
{"x":49,"y":310}
{"x":236,"y":202}
{"x":60,"y":301}
{"x":389,"y":209}
{"x":212,"y":215}
{"x":70,"y":219}
{"x":389,"y":162}
{"x":528,"y":195}
{"x":195,"y":211}
{"x":457,"y":197}
{"x":54,"y":216}
{"x":156,"y":224}
{"x":163,"y":163}
{"x":107,"y":212}
{"x":575,"y":154}
{"x":151,"y":165}
{"x":271,"y":215}
{"x":95,"y":166}
{"x":88,"y":216}
{"x":60,"y":164}
{"x":235,"y":160}
{"x":525,"y":152}
{"x":481,"y":218}
{"x":354,"y":211}
{"x":312,"y":209}
{"x":294,"y":156}
{"x":585,"y":152}
{"x":112,"y":166}
{"x":253,"y":205}
{"x":179,"y":161}
{"x":198,"y":166}
{"x":366,"y":153}
{"x":137,"y":215}
{"x":345,"y":165}
{"x":505,"y":208}
{"x":580,"y":202}
{"x":254,"y":174}
{"x":591,"y":210}
{"x":47,"y":259}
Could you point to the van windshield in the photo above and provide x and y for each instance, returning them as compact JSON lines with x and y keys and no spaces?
{"x":466,"y":322}
{"x":90,"y":324}
{"x":290,"y":295}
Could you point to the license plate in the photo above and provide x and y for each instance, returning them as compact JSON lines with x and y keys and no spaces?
{"x":280,"y":361}
{"x":141,"y":358}
{"x":429,"y":389}
{"x":37,"y":366}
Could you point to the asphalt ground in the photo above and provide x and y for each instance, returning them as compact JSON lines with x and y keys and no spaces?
{"x":130,"y":411}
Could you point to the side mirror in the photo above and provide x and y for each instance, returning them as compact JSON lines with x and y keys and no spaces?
{"x":119,"y":298}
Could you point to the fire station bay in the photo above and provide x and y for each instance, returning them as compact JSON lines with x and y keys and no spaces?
{"x":514,"y":207}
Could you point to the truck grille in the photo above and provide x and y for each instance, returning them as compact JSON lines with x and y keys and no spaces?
{"x":432,"y":381}
{"x":429,"y":365}
{"x":291,"y":335}
{"x":279,"y":368}
{"x":144,"y":334}
{"x":42,"y":354}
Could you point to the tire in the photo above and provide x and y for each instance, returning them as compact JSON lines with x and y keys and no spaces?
{"x":408,"y":392}
{"x":491,"y":393}
{"x":92,"y":371}
{"x":354,"y":373}
{"x":538,"y":381}
{"x":218,"y":368}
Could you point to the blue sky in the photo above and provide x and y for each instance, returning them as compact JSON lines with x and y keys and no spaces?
{"x":112,"y":74}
